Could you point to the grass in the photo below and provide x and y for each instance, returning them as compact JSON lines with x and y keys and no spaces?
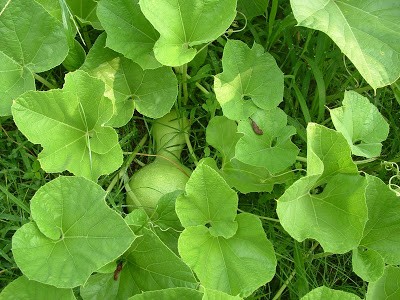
{"x":316,"y":76}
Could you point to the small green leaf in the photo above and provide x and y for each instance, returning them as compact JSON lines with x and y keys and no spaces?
{"x":273,"y":149}
{"x":185,"y":24}
{"x":329,"y":203}
{"x":128,"y":31}
{"x":238,"y":265}
{"x":151,"y":92}
{"x":368,"y":264}
{"x":31,"y":41}
{"x":208,"y":201}
{"x":100,"y":287}
{"x":222,"y":134}
{"x":325,"y":293}
{"x":361,"y":123}
{"x":251,"y":79}
{"x":23,"y":288}
{"x":368,"y":32}
{"x":137,"y":219}
{"x":387,"y":287}
{"x":69,"y":124}
{"x":73,"y":233}
{"x":381,"y":232}
{"x":169,"y":294}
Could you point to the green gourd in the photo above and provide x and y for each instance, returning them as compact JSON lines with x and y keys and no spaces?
{"x":166,"y":173}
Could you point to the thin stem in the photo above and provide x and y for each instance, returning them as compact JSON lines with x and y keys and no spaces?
{"x":284,"y":286}
{"x":190,"y":148}
{"x":184,"y":84}
{"x":44,"y":81}
{"x":199,"y":86}
{"x":261,"y":217}
{"x":365,"y":161}
{"x":302,"y":159}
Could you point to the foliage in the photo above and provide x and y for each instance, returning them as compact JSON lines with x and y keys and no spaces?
{"x":242,"y":211}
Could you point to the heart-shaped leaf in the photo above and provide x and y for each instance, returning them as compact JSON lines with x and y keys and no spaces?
{"x":73,"y":233}
{"x":70,"y":125}
{"x":238,"y":265}
{"x":185,"y":24}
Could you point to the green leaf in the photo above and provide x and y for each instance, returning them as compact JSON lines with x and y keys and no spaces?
{"x":128,"y":31}
{"x":252,"y":8}
{"x":329,"y":203}
{"x":273,"y":149}
{"x":85,"y":11}
{"x":185,"y":24}
{"x":208,"y":201}
{"x":31,"y":41}
{"x":218,"y":295}
{"x":169,"y":294}
{"x":69,"y":124}
{"x":368,"y":264}
{"x":251,"y":79}
{"x":153,"y":91}
{"x":367,"y":32}
{"x":325,"y":293}
{"x":221,"y":133}
{"x":381,"y":232}
{"x":387,"y":287}
{"x":100,"y":286}
{"x":151,"y":265}
{"x":238,"y":265}
{"x":24,"y":289}
{"x":73,"y":233}
{"x":361,"y":123}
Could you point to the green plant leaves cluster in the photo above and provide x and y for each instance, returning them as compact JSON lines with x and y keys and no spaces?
{"x":228,"y":252}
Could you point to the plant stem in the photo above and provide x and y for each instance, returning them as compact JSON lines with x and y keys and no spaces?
{"x":365,"y":161}
{"x":284,"y":286}
{"x":199,"y":86}
{"x":44,"y":81}
{"x":184,"y":84}
{"x":261,"y":217}
{"x":190,"y":148}
{"x":302,"y":159}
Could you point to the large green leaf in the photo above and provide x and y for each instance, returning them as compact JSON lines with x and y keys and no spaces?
{"x":382,"y":229}
{"x":361,"y":123}
{"x":153,"y":91}
{"x":273,"y":148}
{"x":128,"y":31}
{"x":183,"y":24}
{"x":238,"y":265}
{"x":73,"y":233}
{"x":368,"y":32}
{"x":31,"y":41}
{"x":69,"y":124}
{"x":387,"y":287}
{"x":208,"y":201}
{"x":251,"y":79}
{"x":24,"y":289}
{"x":329,"y":203}
{"x":325,"y":293}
